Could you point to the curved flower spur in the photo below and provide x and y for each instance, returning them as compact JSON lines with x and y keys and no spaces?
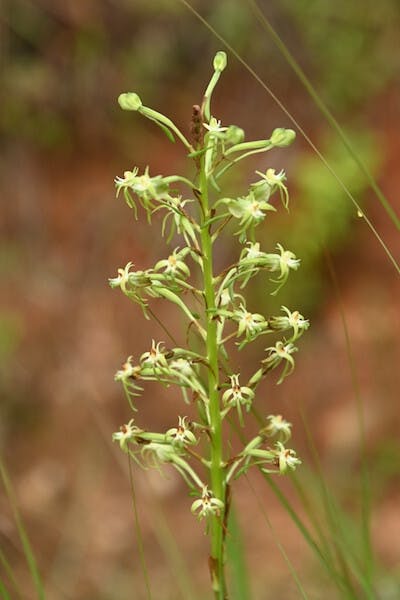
{"x":214,"y":308}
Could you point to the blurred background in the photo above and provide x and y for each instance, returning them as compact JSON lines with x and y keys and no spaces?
{"x":64,"y":332}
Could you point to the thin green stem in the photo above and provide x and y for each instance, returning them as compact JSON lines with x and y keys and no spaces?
{"x":186,"y":467}
{"x":233,"y":162}
{"x":23,"y":536}
{"x":160,"y":118}
{"x":7,"y":569}
{"x":139,"y":533}
{"x":216,"y":454}
{"x":365,"y":476}
{"x":3,"y":592}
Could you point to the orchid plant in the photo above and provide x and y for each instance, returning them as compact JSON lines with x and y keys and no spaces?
{"x":196,"y":212}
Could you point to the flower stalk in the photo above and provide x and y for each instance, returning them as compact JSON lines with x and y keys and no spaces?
{"x":215,"y":309}
{"x":216,"y":456}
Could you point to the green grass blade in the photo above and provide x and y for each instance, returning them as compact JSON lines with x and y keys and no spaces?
{"x":365,"y":476}
{"x":324,"y":559}
{"x":168,"y":545}
{"x":165,"y":539}
{"x":9,"y":572}
{"x":240,"y":581}
{"x":4,"y":595}
{"x":282,"y":550}
{"x":139,"y":533}
{"x":322,"y":548}
{"x":335,"y":576}
{"x":23,"y":536}
{"x":340,"y":529}
{"x":300,"y":129}
{"x":311,"y":511}
{"x":265,"y":23}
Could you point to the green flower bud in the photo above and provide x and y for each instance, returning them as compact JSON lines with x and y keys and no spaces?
{"x":282,"y":137}
{"x":129,"y":101}
{"x":286,"y":458}
{"x":220,"y":60}
{"x":234,"y":135}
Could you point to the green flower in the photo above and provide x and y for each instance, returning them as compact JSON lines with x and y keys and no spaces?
{"x":127,"y":433}
{"x":275,"y":182}
{"x":277,"y":426}
{"x":252,"y":251}
{"x":287,"y":261}
{"x":278,"y":353}
{"x":214,"y":128}
{"x":128,"y":371}
{"x":155,"y":357}
{"x":250,"y":210}
{"x":180,"y":220}
{"x":145,"y":187}
{"x":181,"y":435}
{"x":149,"y":190}
{"x":207,"y":505}
{"x":292,"y":320}
{"x":249,"y":324}
{"x":286,"y":458}
{"x":122,"y":278}
{"x":283,"y":262}
{"x":237,"y":396}
{"x":174,"y":264}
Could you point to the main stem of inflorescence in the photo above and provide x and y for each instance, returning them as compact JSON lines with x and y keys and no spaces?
{"x":202,"y":370}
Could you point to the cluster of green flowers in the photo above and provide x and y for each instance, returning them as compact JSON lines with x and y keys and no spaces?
{"x":215,"y":309}
{"x":174,"y":447}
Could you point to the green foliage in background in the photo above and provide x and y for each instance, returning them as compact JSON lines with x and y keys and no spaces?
{"x":322,"y":216}
{"x":349,"y":44}
{"x":62,"y":61}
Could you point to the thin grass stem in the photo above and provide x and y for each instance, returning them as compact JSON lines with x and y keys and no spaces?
{"x":365,"y":476}
{"x":10,"y":574}
{"x":4,"y":594}
{"x":23,"y":536}
{"x":280,"y":546}
{"x":140,"y":544}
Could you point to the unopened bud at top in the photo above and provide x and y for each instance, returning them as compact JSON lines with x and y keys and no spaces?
{"x":220,"y":60}
{"x":129,"y":101}
{"x":282,"y":137}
